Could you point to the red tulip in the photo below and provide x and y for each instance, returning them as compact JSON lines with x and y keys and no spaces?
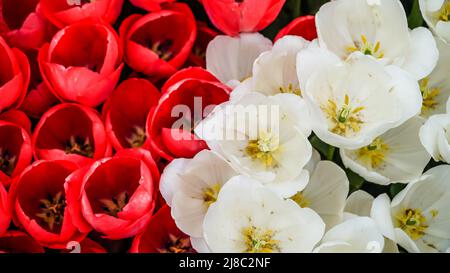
{"x":126,"y":112}
{"x":232,"y":16}
{"x":304,"y":26}
{"x":185,"y":97}
{"x":162,"y":236}
{"x":23,"y":25}
{"x":82,"y":63}
{"x":198,"y":54}
{"x":157,"y":44}
{"x":38,"y":202}
{"x":5,"y":217}
{"x":150,"y":5}
{"x":14,"y":76}
{"x":15,"y":148}
{"x":66,"y":12}
{"x":115,"y":195}
{"x":19,"y":242}
{"x":71,"y":132}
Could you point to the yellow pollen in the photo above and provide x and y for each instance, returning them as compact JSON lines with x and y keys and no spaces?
{"x":263,"y":148}
{"x":210,"y":194}
{"x":412,"y":222}
{"x":373,"y":155}
{"x":366,"y":48}
{"x":177,"y":245}
{"x":445,"y":12}
{"x":79,"y":146}
{"x":52,"y":210}
{"x":345,"y":119}
{"x":434,"y":213}
{"x":259,"y":241}
{"x":429,"y":95}
{"x":300,"y":199}
{"x":290,"y":90}
{"x":116,"y":204}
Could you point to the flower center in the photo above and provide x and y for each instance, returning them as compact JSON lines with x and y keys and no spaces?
{"x":374,"y":154}
{"x":259,"y":241}
{"x":366,"y":48}
{"x":7,"y":162}
{"x":177,"y":245}
{"x":210,"y":194}
{"x":52,"y":210}
{"x":79,"y":146}
{"x":445,"y":12}
{"x":290,"y":90}
{"x":262,"y":149}
{"x":429,"y":95}
{"x":163,"y":49}
{"x":412,"y":222}
{"x":138,"y":137}
{"x":116,"y":204}
{"x":300,"y":199}
{"x":345,"y":119}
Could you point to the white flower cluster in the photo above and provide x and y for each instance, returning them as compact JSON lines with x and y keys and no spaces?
{"x":369,"y":86}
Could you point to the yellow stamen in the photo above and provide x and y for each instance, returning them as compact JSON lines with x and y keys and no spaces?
{"x":76,"y":145}
{"x":7,"y":162}
{"x":52,"y":210}
{"x":373,"y":155}
{"x":445,"y":12}
{"x":290,"y":90}
{"x":344,"y":120}
{"x":412,"y":222}
{"x":263,"y":148}
{"x":210,"y":194}
{"x":429,"y":95}
{"x":300,"y":199}
{"x":259,"y":241}
{"x":366,"y":48}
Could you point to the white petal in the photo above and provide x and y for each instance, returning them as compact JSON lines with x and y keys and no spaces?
{"x":405,"y":241}
{"x":381,"y":214}
{"x":359,"y":203}
{"x":170,"y":179}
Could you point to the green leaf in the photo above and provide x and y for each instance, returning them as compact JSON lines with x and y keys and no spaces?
{"x":356,"y":181}
{"x":319,"y":145}
{"x":415,"y":18}
{"x":394,"y":189}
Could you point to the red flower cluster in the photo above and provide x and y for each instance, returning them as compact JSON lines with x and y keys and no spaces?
{"x":86,"y":99}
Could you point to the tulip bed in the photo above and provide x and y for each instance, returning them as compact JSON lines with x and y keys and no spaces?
{"x":202,"y":126}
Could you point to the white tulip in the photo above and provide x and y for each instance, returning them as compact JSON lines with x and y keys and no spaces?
{"x":437,"y":15}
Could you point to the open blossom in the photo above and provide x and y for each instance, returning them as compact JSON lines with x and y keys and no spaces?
{"x":5,"y":217}
{"x":187,"y":97}
{"x":437,"y":15}
{"x":38,"y":201}
{"x":152,"y":50}
{"x":231,"y":59}
{"x":417,"y":218}
{"x":382,"y":32}
{"x":23,"y":25}
{"x":325,"y":193}
{"x":393,"y":157}
{"x":250,"y":218}
{"x":232,"y":17}
{"x":274,"y":71}
{"x":353,"y":102}
{"x":65,"y":12}
{"x":115,"y":195}
{"x":190,"y":186}
{"x":162,"y":236}
{"x":357,"y":235}
{"x":126,"y":111}
{"x":82,"y":63}
{"x":435,"y":87}
{"x":264,"y":138}
{"x":71,"y":132}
